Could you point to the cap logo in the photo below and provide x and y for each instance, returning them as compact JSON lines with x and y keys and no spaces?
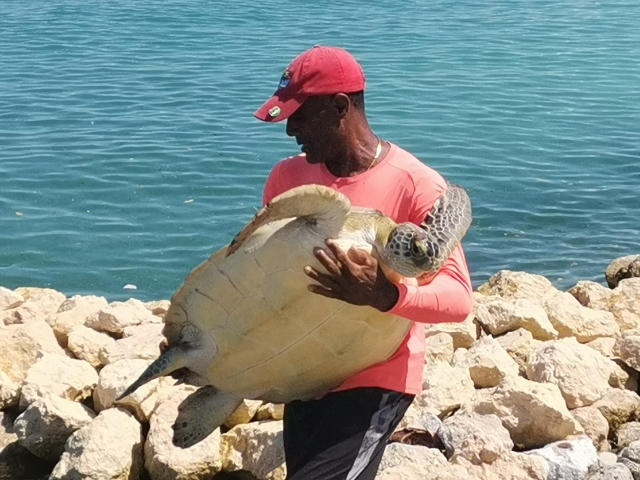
{"x":274,"y":112}
{"x":285,"y":80}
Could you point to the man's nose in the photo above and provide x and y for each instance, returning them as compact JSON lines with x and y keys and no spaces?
{"x":293,"y":127}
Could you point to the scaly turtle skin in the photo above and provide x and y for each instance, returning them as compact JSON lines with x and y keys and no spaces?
{"x":245,"y":320}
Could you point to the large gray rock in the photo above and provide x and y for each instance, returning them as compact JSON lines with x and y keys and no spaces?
{"x":477,"y":438}
{"x":610,"y":472}
{"x":110,"y":447}
{"x":621,"y":268}
{"x":44,"y":427}
{"x":569,"y":459}
{"x":627,"y":433}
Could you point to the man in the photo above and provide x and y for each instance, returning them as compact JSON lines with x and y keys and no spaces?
{"x":342,"y":435}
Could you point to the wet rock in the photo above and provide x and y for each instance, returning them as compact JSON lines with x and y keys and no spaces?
{"x":621,"y":268}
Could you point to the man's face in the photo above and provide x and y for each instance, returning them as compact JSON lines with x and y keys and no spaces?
{"x":316,"y":127}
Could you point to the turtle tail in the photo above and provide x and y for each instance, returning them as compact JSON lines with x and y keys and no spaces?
{"x":168,"y":362}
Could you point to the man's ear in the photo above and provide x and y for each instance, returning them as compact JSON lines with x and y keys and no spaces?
{"x":342,"y":104}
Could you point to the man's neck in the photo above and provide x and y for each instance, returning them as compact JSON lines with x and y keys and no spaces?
{"x":360,"y":151}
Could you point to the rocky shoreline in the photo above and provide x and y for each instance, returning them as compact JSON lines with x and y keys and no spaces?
{"x":536,"y":384}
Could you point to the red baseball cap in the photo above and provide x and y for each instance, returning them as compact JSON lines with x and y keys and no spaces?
{"x":318,"y":71}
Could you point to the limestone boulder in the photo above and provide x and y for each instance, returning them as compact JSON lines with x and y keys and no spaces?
{"x":9,"y":392}
{"x":581,"y":373}
{"x":110,"y":447}
{"x":73,"y":313}
{"x":508,"y":466}
{"x":165,"y":461}
{"x":519,"y":344}
{"x":604,"y":345}
{"x":514,"y":285}
{"x":619,"y":406}
{"x":616,"y":471}
{"x":270,"y":411}
{"x":595,"y":426}
{"x":463,"y":334}
{"x":477,"y":438}
{"x":591,"y":294}
{"x":622,"y":268}
{"x":627,"y":433}
{"x":86,"y":344}
{"x":630,"y":457}
{"x":9,"y":299}
{"x":255,"y":447}
{"x":158,"y":307}
{"x":627,"y":348}
{"x":38,"y":304}
{"x":244,"y":413}
{"x":16,"y":462}
{"x":138,"y":342}
{"x":115,"y":378}
{"x":488,"y":363}
{"x":569,"y":459}
{"x":500,"y":316}
{"x":59,"y":376}
{"x":445,"y":388}
{"x":438,"y":348}
{"x":571,"y":319}
{"x":44,"y":427}
{"x":534,"y":413}
{"x":409,"y":462}
{"x":115,"y":317}
{"x":624,"y":304}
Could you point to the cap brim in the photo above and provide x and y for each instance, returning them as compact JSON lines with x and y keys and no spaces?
{"x":279,"y":107}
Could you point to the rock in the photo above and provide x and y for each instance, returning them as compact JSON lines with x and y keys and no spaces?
{"x":607,"y":458}
{"x":630,"y":457}
{"x":508,"y":466}
{"x":627,"y":348}
{"x":60,"y":376}
{"x":501,"y":316}
{"x":115,"y":378}
{"x":624,"y":304}
{"x":9,"y":299}
{"x":621,"y":268}
{"x":244,"y":413}
{"x":438,"y":348}
{"x":445,"y":388}
{"x":115,"y":317}
{"x":488,"y":363}
{"x":632,"y":466}
{"x":518,"y":345}
{"x":165,"y":461}
{"x":38,"y":304}
{"x":270,"y":411}
{"x":604,"y":345}
{"x":581,"y":373}
{"x":72,"y":314}
{"x":514,"y":285}
{"x":571,"y":319}
{"x":463,"y":334}
{"x":534,"y":413}
{"x":9,"y":392}
{"x":256,"y":448}
{"x":595,"y":426}
{"x":619,"y":406}
{"x":138,"y":342}
{"x":16,"y":462}
{"x":86,"y":344}
{"x":610,"y":472}
{"x":44,"y":427}
{"x":110,"y":447}
{"x":627,"y":433}
{"x":477,"y":438}
{"x":591,"y":294}
{"x":569,"y":459}
{"x":409,"y":462}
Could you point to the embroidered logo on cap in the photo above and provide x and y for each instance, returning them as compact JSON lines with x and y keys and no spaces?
{"x":285,"y":80}
{"x":274,"y":112}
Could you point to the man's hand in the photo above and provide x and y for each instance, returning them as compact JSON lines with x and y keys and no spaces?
{"x":354,"y":277}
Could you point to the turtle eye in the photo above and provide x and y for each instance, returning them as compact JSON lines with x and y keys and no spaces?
{"x":418,"y":248}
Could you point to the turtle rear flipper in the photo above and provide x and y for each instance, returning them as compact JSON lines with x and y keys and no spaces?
{"x":200,"y":414}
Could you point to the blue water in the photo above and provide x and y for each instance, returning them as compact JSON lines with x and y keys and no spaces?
{"x":114,"y":115}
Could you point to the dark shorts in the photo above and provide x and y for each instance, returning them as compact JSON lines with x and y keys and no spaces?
{"x":342,"y":436}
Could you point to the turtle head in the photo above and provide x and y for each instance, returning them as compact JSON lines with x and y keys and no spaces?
{"x":410,"y":252}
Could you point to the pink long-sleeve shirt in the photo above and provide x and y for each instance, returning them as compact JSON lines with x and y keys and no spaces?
{"x":405,"y":189}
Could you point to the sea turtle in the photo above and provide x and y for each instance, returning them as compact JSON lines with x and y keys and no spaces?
{"x":246,"y":322}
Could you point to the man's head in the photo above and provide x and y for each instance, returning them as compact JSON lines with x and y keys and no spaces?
{"x":321,"y":95}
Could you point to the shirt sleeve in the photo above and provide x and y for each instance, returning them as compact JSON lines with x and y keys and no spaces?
{"x":271,"y":188}
{"x":449,"y":295}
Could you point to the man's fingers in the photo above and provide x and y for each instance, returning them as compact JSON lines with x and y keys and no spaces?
{"x":359,"y":256}
{"x":323,"y":278}
{"x":340,"y":254}
{"x":325,"y":292}
{"x":327,"y":262}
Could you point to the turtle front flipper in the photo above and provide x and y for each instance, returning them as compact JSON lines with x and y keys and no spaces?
{"x":200,"y":414}
{"x":322,"y":204}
